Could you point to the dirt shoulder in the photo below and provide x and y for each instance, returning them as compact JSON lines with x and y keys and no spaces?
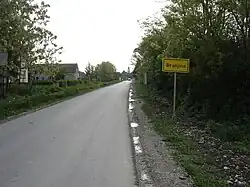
{"x":170,"y":144}
{"x":156,"y":159}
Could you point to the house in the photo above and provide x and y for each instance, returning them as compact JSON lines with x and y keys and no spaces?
{"x":70,"y":71}
{"x":66,"y":72}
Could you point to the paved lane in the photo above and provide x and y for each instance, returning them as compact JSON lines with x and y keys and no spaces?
{"x":82,"y":142}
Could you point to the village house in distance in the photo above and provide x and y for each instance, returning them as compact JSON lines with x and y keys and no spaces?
{"x":66,"y":71}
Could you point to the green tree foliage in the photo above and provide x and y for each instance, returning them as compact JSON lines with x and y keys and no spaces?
{"x":90,"y":71}
{"x":214,"y":35}
{"x":24,"y":36}
{"x":106,"y":71}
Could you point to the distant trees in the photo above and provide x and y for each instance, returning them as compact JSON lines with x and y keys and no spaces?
{"x":125,"y":75}
{"x":106,"y":71}
{"x":215,"y":35}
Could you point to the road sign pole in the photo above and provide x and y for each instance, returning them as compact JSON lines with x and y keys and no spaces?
{"x":175,"y":65}
{"x":174,"y":98}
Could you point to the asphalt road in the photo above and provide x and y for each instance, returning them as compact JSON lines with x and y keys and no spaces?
{"x":82,"y":142}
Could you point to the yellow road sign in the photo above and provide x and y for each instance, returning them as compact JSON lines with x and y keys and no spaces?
{"x":178,"y":65}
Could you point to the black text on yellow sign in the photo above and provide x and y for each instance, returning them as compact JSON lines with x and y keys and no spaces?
{"x":177,"y":65}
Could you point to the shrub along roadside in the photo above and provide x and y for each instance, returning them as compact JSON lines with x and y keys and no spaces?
{"x":200,"y":165}
{"x":62,"y":83}
{"x":19,"y":104}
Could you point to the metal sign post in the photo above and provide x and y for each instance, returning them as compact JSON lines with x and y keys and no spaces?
{"x":145,"y":79}
{"x":175,"y":65}
{"x":3,"y":62}
{"x":174,"y":98}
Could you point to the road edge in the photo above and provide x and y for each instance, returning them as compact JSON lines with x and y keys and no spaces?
{"x":142,"y":178}
{"x":136,"y":172}
{"x":41,"y":107}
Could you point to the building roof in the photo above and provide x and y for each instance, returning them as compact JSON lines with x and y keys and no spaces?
{"x":68,"y":68}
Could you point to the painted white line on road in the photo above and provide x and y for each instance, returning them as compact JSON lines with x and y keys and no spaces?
{"x":144,"y":176}
{"x":130,"y":92}
{"x":138,"y":149}
{"x":134,"y":125}
{"x":136,"y":140}
{"x":131,"y":106}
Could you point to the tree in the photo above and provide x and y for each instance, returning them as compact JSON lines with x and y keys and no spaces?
{"x":97,"y":71}
{"x":106,"y":71}
{"x":24,"y":36}
{"x":214,"y":35}
{"x":90,"y":71}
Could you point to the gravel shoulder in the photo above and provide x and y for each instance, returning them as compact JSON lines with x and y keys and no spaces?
{"x":156,"y":159}
{"x":209,"y":161}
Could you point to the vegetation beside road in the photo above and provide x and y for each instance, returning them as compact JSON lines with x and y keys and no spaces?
{"x":204,"y":170}
{"x":27,"y":41}
{"x":210,"y":161}
{"x":33,"y":54}
{"x":213,"y":98}
{"x":215,"y":36}
{"x":23,"y":99}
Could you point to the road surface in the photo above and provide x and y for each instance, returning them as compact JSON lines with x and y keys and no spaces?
{"x":82,"y":142}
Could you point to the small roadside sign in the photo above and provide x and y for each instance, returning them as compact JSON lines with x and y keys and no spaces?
{"x":175,"y":65}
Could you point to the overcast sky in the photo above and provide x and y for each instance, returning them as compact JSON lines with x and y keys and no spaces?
{"x":99,"y":30}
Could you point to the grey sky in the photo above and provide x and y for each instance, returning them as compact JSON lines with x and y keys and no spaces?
{"x":99,"y":30}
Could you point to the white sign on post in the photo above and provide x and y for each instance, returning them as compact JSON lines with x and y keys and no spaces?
{"x":23,"y":73}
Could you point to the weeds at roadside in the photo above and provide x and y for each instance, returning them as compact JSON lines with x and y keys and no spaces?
{"x":200,"y":165}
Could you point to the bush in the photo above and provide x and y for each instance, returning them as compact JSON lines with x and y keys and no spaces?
{"x":19,"y":89}
{"x":62,"y":83}
{"x":73,"y":82}
{"x":43,"y":82}
{"x":53,"y":89}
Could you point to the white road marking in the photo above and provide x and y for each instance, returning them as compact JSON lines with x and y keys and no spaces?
{"x":136,"y":140}
{"x":144,"y":176}
{"x":131,"y":106}
{"x":138,"y":149}
{"x":134,"y":125}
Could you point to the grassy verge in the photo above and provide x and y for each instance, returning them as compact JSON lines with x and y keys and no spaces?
{"x":45,"y":95}
{"x":199,"y":164}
